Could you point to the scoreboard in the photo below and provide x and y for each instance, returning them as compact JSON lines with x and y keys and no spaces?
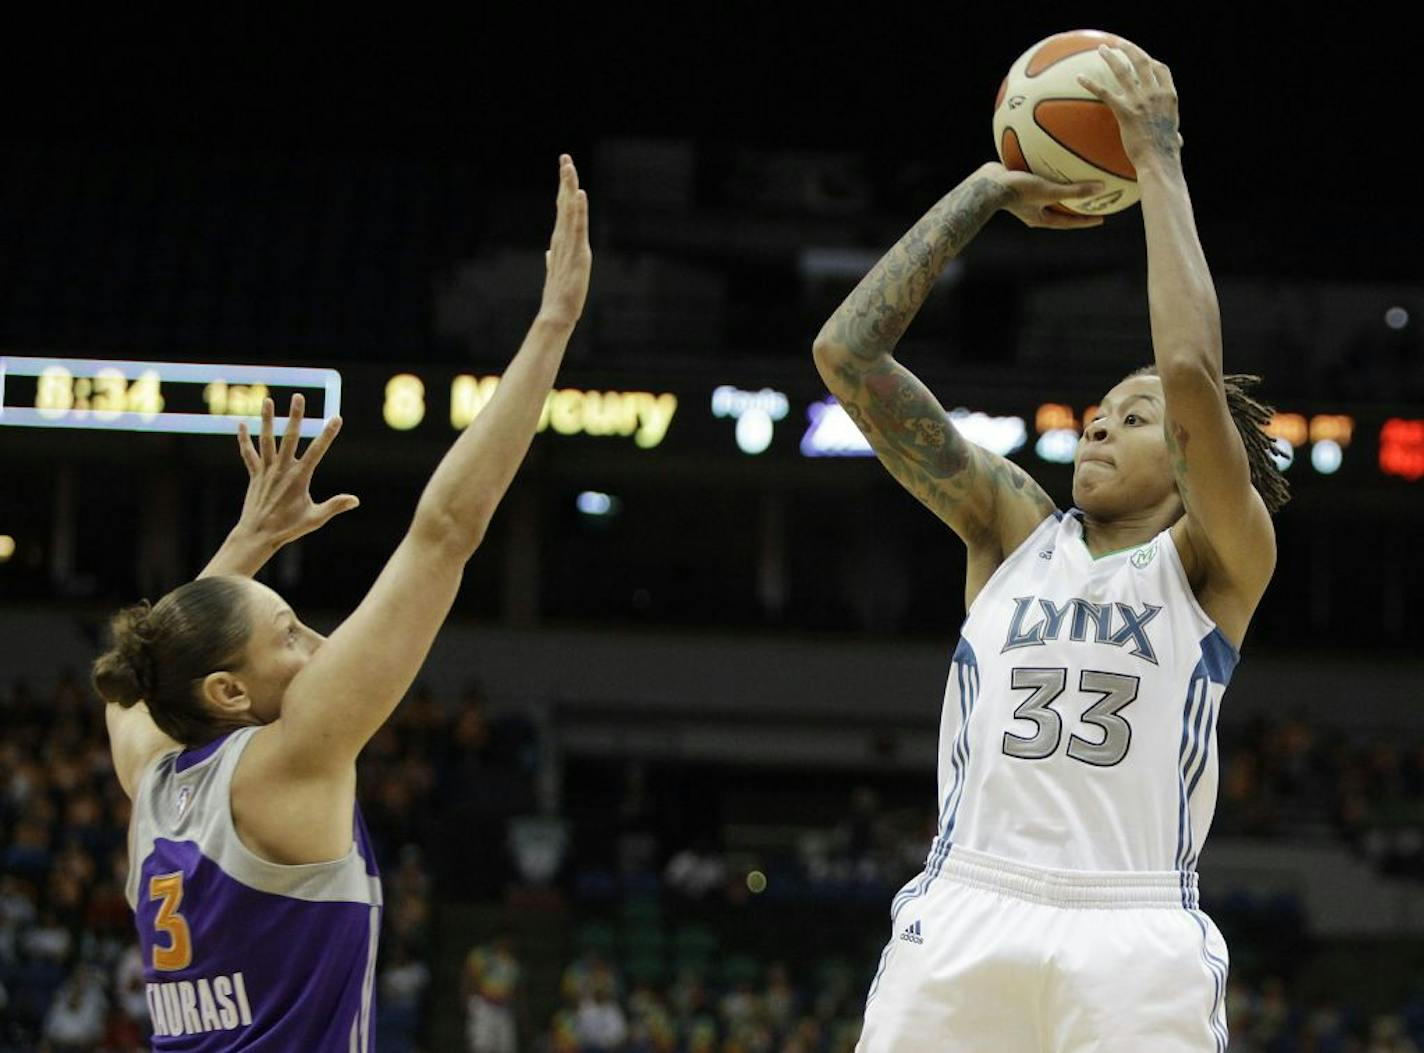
{"x":758,"y":416}
{"x":120,"y":395}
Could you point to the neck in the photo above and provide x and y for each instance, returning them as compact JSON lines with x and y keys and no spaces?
{"x":1102,"y":536}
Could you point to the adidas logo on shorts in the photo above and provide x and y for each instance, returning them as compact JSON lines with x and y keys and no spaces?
{"x":912,"y":934}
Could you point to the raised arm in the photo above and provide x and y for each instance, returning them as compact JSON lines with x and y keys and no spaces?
{"x":355,"y":679}
{"x":1227,"y":522}
{"x":991,"y":503}
{"x":277,"y":509}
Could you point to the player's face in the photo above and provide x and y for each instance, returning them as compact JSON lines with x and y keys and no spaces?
{"x":1122,"y":465}
{"x":278,"y":647}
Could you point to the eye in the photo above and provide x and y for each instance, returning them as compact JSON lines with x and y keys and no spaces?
{"x":1131,"y":417}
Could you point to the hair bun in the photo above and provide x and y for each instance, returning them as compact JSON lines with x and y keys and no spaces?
{"x":126,"y":673}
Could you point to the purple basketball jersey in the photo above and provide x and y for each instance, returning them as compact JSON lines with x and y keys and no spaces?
{"x":240,"y":953}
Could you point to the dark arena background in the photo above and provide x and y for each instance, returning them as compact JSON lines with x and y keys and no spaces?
{"x":674,"y":752}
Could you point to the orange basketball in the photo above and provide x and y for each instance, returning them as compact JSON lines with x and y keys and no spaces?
{"x":1045,"y":122}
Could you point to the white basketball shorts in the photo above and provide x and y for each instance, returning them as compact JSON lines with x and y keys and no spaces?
{"x":987,"y":954}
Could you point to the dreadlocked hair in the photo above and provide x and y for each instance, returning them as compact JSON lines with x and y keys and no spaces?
{"x":1251,"y":419}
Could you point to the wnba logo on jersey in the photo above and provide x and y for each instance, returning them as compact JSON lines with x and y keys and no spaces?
{"x":1108,"y":623}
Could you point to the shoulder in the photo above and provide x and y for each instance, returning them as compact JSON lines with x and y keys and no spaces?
{"x":288,"y":812}
{"x":135,"y":744}
{"x":986,"y":558}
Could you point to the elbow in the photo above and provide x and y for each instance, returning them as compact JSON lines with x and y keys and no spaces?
{"x":440,"y":529}
{"x":1189,"y":369}
{"x":1190,"y":354}
{"x":829,"y":355}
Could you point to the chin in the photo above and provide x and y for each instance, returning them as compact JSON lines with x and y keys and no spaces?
{"x":1094,"y":502}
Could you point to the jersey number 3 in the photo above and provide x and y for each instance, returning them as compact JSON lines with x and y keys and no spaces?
{"x":179,"y":952}
{"x":1117,"y":691}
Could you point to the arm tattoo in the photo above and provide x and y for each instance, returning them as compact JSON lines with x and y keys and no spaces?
{"x":874,"y":317}
{"x":924,"y":450}
{"x":1164,"y":136}
{"x":894,"y":411}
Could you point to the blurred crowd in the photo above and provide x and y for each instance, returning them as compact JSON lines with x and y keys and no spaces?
{"x":71,"y":975}
{"x":747,"y":1009}
{"x":439,"y":786}
{"x":1289,"y":778}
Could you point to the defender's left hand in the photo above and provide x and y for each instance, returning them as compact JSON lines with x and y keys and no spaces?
{"x":279,"y":506}
{"x":1144,"y":101}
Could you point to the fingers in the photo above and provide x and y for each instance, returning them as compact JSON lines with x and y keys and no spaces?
{"x":1046,"y":191}
{"x":317,"y":450}
{"x":1075,"y":190}
{"x":572,"y":221}
{"x":334,"y":506}
{"x":268,"y":447}
{"x":1063,"y":221}
{"x":288,"y":449}
{"x":1164,"y":76}
{"x":563,"y":204}
{"x":568,"y":182}
{"x":580,"y":222}
{"x":1141,"y":62}
{"x":1097,"y":90}
{"x":244,"y":448}
{"x":1120,"y":66}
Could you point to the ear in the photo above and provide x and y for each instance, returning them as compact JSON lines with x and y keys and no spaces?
{"x":227,"y":695}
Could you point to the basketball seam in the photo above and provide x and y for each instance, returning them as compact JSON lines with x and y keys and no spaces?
{"x":1086,"y":160}
{"x":1064,"y":58}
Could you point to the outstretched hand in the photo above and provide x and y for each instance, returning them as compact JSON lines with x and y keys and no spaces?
{"x":279,"y":505}
{"x":1030,"y":197}
{"x":569,"y":259}
{"x":1143,"y":98}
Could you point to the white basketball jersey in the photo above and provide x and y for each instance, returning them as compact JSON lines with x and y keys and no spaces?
{"x":1079,"y":724}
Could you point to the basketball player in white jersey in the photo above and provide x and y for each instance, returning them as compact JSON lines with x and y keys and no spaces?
{"x":1057,"y":910}
{"x":235,"y":728}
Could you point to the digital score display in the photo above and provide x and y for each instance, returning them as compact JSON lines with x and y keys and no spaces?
{"x":189,"y":397}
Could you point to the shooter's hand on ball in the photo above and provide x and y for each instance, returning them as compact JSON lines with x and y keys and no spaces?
{"x":1030,"y":196}
{"x":569,"y":257}
{"x":1144,"y":100}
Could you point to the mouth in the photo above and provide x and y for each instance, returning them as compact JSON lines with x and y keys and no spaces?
{"x":1098,"y":460}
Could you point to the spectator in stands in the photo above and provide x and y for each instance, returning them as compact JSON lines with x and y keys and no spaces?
{"x":600,"y":1019}
{"x":75,"y":1022}
{"x":651,"y":1028}
{"x":131,"y":994}
{"x":590,"y":969}
{"x":404,"y":981}
{"x":490,"y":988}
{"x":600,"y":1022}
{"x":779,"y":999}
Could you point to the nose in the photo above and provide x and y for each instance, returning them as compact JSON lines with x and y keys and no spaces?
{"x":1096,"y":431}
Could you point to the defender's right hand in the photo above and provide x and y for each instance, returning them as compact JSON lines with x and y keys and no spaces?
{"x":1030,"y":196}
{"x":569,"y":259}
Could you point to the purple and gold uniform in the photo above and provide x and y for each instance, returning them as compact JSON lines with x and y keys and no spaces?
{"x":240,"y":953}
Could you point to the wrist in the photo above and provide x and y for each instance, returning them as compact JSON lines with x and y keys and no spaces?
{"x":553,"y":322}
{"x":1157,"y":162}
{"x":250,"y":541}
{"x":243,"y":553}
{"x":1000,"y":177}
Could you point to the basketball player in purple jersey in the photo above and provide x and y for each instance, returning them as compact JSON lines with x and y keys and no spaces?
{"x":235,"y":728}
{"x":1057,"y":910}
